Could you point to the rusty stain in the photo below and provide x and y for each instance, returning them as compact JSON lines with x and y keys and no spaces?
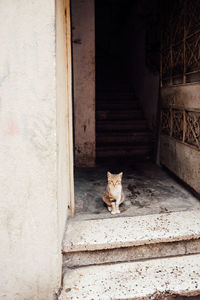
{"x":13,"y":128}
{"x":77,"y":41}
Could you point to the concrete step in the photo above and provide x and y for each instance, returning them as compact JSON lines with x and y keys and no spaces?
{"x":151,"y":279}
{"x":115,"y":125}
{"x":123,"y":150}
{"x":134,"y":138}
{"x":131,"y":238}
{"x":119,"y":115}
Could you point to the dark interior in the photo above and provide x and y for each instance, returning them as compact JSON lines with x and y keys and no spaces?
{"x":127,"y":46}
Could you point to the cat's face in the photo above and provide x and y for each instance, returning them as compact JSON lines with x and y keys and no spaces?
{"x":114,"y":179}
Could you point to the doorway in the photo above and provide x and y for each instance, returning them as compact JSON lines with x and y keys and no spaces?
{"x":125,"y":116}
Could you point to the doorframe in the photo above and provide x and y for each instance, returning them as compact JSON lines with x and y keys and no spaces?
{"x":67,"y":7}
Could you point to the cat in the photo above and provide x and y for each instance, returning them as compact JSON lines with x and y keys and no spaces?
{"x":114,"y":195}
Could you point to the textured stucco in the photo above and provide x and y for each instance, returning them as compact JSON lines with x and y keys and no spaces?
{"x":30,"y":251}
{"x":84,"y":81}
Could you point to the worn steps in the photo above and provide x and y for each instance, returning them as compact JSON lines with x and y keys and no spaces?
{"x":135,"y":138}
{"x":151,"y":279}
{"x":116,"y":105}
{"x":121,"y":129}
{"x":143,"y":257}
{"x":131,"y":238}
{"x":116,"y":95}
{"x":123,"y":151}
{"x":119,"y":115}
{"x":116,"y":125}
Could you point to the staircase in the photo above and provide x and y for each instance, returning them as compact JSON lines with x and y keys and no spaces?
{"x":121,"y":129}
{"x":144,"y":257}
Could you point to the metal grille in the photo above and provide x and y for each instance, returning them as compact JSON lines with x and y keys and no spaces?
{"x":182,"y":125}
{"x":165,"y":121}
{"x":177,"y":126}
{"x":192,"y":134}
{"x":180,"y":44}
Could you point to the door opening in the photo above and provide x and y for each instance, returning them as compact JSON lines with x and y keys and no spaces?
{"x":125,"y":120}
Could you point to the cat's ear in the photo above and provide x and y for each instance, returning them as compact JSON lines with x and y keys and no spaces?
{"x":121,"y":174}
{"x":108,"y":174}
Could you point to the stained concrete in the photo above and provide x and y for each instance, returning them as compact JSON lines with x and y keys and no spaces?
{"x":148,"y":189}
{"x":153,"y":279}
{"x":101,"y":241}
{"x":132,"y":231}
{"x":134,"y":253}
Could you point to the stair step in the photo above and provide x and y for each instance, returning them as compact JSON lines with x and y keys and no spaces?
{"x":123,"y":150}
{"x":122,"y":115}
{"x":135,"y":125}
{"x":115,"y":95}
{"x":137,"y":138}
{"x":131,"y":238}
{"x":116,"y":105}
{"x":151,"y":279}
{"x":116,"y":87}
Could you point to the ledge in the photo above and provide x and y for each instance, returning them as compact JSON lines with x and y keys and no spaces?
{"x":121,"y":232}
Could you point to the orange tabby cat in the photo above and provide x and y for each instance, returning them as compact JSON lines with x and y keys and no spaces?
{"x":114,"y":195}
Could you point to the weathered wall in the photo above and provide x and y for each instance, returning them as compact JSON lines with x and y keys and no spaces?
{"x":84,"y":81}
{"x":30,"y":258}
{"x":182,"y":96}
{"x":182,"y":160}
{"x":180,"y":152}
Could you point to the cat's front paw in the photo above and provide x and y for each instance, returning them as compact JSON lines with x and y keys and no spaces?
{"x":114,"y":212}
{"x":117,"y":211}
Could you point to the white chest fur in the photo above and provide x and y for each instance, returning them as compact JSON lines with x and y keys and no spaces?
{"x":115,"y":191}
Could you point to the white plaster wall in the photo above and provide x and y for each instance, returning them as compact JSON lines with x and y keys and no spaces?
{"x":84,"y":80}
{"x":30,"y":250}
